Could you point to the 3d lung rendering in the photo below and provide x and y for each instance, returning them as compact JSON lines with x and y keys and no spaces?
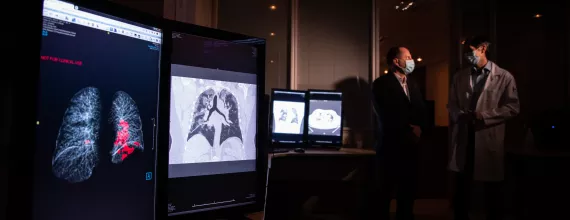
{"x":76,"y":150}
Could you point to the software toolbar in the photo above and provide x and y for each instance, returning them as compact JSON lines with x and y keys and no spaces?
{"x":70,"y":13}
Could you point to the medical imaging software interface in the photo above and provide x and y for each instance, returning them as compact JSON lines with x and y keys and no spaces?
{"x":97,"y":106}
{"x":213,"y":124}
{"x":288,"y":116}
{"x":325,"y":117}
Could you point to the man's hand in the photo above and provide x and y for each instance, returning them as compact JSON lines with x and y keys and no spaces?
{"x":417,"y":133}
{"x":417,"y":130}
{"x":465,"y":116}
{"x":478,"y":120}
{"x":470,"y":116}
{"x":478,"y":116}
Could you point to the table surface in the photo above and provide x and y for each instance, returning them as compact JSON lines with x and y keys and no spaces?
{"x":342,"y":152}
{"x":326,"y":152}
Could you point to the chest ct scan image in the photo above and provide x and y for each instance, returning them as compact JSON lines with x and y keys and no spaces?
{"x":325,"y":118}
{"x":214,"y":119}
{"x":288,"y":117}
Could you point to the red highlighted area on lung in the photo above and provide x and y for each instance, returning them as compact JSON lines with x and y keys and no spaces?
{"x":128,"y":127}
{"x":62,"y":60}
{"x":122,"y":141}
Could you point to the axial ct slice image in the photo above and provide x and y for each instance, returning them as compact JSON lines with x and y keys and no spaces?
{"x":128,"y":127}
{"x":324,"y":119}
{"x":76,"y":147}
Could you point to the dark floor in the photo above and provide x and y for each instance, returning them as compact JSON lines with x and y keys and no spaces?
{"x":429,"y":209}
{"x":425,"y":209}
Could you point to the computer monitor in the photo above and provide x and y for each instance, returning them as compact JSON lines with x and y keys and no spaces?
{"x":216,"y":86}
{"x":324,"y":118}
{"x":95,"y":152}
{"x":287,"y":116}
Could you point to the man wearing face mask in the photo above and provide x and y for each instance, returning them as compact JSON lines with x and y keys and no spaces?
{"x":399,"y":106}
{"x":481,"y":98}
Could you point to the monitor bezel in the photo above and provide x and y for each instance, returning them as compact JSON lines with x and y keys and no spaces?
{"x":307,"y":106}
{"x":20,"y":197}
{"x":261,"y":153}
{"x":270,"y":124}
{"x":23,"y":104}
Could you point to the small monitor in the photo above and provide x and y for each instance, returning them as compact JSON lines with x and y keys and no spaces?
{"x":287,"y":116}
{"x":95,"y":152}
{"x":324,"y":118}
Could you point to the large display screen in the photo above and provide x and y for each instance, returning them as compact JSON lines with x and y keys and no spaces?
{"x":213,"y":124}
{"x":97,"y":109}
{"x":288,"y":116}
{"x":325,"y":118}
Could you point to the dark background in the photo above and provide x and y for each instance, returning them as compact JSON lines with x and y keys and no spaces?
{"x":111,"y":63}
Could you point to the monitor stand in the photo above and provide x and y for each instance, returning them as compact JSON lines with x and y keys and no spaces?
{"x":278,"y":150}
{"x":284,"y":148}
{"x":226,"y":215}
{"x":299,"y":150}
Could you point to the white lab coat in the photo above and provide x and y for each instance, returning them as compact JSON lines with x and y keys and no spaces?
{"x":497,"y":103}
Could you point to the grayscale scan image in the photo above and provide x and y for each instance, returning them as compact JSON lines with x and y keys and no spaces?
{"x":211,"y":120}
{"x":325,"y":117}
{"x":76,"y":147}
{"x":288,"y":117}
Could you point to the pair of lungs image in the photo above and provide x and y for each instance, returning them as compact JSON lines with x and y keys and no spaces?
{"x":77,"y":145}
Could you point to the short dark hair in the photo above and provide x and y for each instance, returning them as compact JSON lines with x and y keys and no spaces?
{"x":393,"y":53}
{"x":478,"y":41}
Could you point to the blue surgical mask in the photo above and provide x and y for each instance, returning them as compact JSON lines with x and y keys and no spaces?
{"x":410,"y":65}
{"x":472,"y":58}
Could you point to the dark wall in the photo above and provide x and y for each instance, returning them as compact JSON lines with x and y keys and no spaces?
{"x":334,"y":41}
{"x":334,"y":53}
{"x":6,"y":94}
{"x":568,"y":52}
{"x":153,"y":7}
{"x":535,"y":51}
{"x":254,"y":18}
